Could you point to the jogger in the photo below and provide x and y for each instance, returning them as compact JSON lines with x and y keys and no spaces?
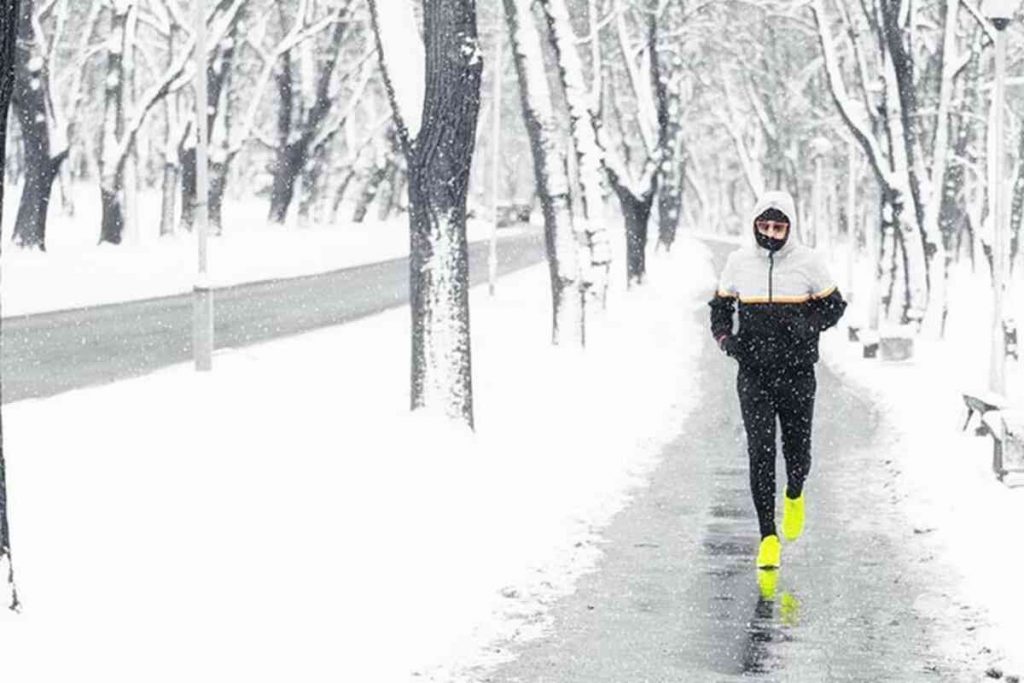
{"x":785,"y":298}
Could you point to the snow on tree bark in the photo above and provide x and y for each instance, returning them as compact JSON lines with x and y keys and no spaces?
{"x":589,"y":155}
{"x":562,"y":239}
{"x":111,"y":162}
{"x":672,"y":167}
{"x":31,"y":90}
{"x":439,"y":157}
{"x":8,"y":37}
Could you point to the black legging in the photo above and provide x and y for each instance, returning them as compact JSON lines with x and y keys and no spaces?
{"x":786,"y":392}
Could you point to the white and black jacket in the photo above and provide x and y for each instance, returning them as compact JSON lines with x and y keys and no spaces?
{"x":785,"y":299}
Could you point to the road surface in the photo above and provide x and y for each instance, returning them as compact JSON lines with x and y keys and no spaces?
{"x":50,"y":353}
{"x":676,"y":597}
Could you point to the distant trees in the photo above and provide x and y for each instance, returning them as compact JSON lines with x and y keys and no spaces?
{"x":8,"y":33}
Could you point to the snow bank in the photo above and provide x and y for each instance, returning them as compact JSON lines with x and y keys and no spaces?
{"x":75,"y":271}
{"x":947,"y":485}
{"x":285,"y":518}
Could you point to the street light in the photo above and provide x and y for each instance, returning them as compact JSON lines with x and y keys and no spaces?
{"x":1000,"y":13}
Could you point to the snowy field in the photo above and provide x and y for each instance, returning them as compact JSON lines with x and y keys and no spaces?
{"x":147,"y":265}
{"x":285,"y":518}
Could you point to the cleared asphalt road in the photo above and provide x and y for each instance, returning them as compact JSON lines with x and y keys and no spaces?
{"x":49,"y":353}
{"x":676,"y":597}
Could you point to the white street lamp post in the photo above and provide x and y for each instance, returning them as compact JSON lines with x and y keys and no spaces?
{"x":202,"y":308}
{"x":999,"y":12}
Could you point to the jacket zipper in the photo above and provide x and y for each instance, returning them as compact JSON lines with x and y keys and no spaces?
{"x":771,"y":267}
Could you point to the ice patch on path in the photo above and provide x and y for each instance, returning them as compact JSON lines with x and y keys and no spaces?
{"x":285,"y":518}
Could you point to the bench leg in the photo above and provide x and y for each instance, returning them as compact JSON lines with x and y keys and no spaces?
{"x":970,"y":413}
{"x":997,"y":459}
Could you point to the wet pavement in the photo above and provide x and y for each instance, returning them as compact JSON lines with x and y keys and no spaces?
{"x":676,"y":597}
{"x":49,"y":353}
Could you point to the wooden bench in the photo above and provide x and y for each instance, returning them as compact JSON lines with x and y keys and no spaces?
{"x":1007,"y":430}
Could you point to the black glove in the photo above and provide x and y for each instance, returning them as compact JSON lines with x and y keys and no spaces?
{"x":730,"y":344}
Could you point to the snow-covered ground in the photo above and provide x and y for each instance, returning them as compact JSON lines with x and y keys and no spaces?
{"x":285,"y":518}
{"x":946,"y":483}
{"x":75,"y":271}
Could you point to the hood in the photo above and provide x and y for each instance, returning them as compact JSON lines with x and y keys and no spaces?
{"x":783,"y":201}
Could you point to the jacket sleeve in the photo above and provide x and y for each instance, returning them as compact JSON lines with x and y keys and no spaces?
{"x":826,"y":305}
{"x":723,"y":303}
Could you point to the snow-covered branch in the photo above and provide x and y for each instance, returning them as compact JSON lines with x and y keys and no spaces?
{"x":855,"y":118}
{"x":402,"y":63}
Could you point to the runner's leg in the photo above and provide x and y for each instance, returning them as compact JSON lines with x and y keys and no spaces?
{"x":794,"y":392}
{"x":758,"y":412}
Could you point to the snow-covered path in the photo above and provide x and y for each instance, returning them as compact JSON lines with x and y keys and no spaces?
{"x":863,"y":595}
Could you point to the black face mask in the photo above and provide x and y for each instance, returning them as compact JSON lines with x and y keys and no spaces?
{"x":770,"y":243}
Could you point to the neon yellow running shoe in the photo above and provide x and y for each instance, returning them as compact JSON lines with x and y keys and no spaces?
{"x":792,"y":517}
{"x":767,"y":583}
{"x":770,"y":553}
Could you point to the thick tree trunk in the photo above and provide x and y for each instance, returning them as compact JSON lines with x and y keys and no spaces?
{"x":438,"y":182}
{"x":31,"y":90}
{"x":439,"y":157}
{"x":549,"y":168}
{"x":8,"y":33}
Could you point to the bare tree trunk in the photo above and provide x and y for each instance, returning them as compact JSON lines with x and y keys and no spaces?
{"x":187,"y":156}
{"x":8,"y":37}
{"x":31,"y":88}
{"x":439,"y":157}
{"x":666,"y":78}
{"x":636,"y":211}
{"x":111,"y":162}
{"x":387,"y":197}
{"x":339,"y":193}
{"x":373,"y":182}
{"x":549,"y":169}
{"x":169,"y":185}
{"x":218,"y":186}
